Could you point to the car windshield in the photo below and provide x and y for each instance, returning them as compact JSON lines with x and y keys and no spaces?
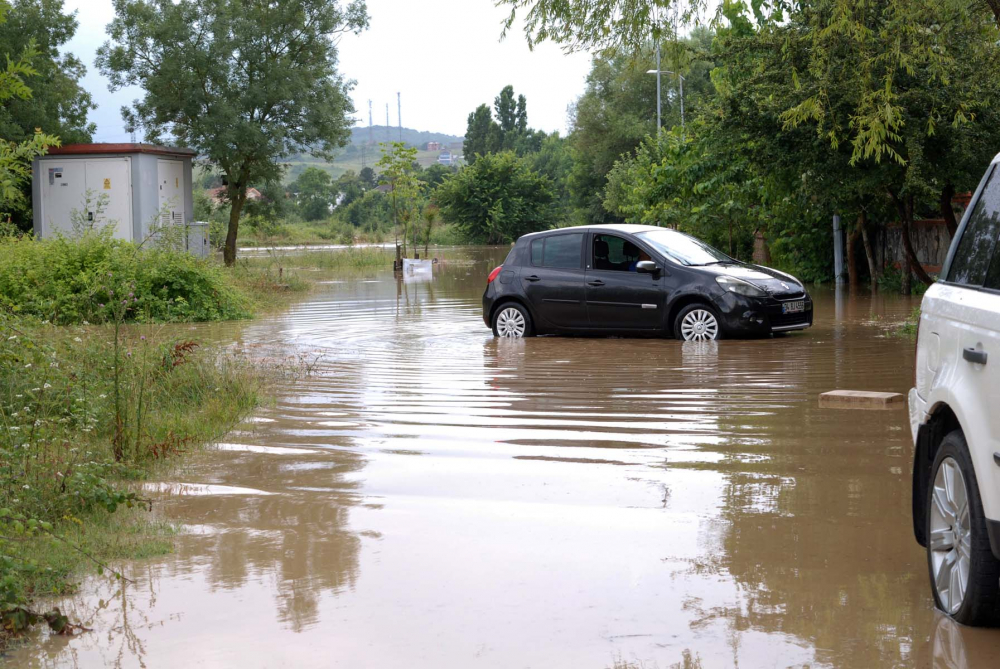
{"x":682,"y":249}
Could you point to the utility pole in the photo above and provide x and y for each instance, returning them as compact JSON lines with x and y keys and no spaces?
{"x":399,"y":114}
{"x":388,"y":137}
{"x":659,"y":120}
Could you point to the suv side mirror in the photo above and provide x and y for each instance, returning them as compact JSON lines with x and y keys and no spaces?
{"x":646,"y":267}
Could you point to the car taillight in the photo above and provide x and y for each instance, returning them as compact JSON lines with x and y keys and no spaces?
{"x":494,"y":274}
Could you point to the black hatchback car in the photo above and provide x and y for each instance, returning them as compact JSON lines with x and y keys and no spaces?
{"x":637,"y":279}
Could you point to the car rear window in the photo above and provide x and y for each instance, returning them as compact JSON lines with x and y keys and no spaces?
{"x":558,"y":251}
{"x":975,"y":250}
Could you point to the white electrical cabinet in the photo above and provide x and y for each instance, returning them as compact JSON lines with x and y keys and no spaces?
{"x":133,"y":189}
{"x":86,"y":193}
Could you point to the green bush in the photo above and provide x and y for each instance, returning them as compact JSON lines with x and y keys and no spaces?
{"x":69,"y":281}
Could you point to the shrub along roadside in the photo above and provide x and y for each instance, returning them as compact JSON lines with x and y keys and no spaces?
{"x":84,"y":413}
{"x":68,"y":281}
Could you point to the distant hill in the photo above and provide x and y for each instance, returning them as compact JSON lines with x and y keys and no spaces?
{"x":417,"y":138}
{"x":359,"y":153}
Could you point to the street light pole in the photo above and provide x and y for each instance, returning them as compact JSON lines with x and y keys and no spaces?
{"x":659,"y":122}
{"x":658,"y":72}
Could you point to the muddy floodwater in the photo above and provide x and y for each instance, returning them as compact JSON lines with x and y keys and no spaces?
{"x":432,"y":497}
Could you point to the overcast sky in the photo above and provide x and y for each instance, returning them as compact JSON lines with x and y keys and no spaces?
{"x":444,"y":56}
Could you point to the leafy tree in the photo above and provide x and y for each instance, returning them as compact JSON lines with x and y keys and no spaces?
{"x":434,"y":175}
{"x":348,"y":188}
{"x":16,"y":154}
{"x":618,"y":110}
{"x":371,"y":212}
{"x":555,"y":160}
{"x":497,"y":199}
{"x":367,"y":179}
{"x":315,"y":192}
{"x":509,"y":132}
{"x":482,"y":136}
{"x":58,"y":104}
{"x":244,"y":83}
{"x":396,"y":165}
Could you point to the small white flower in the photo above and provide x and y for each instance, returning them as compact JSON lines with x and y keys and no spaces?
{"x":54,"y":364}
{"x":35,"y":390}
{"x":14,"y":428}
{"x":26,"y":445}
{"x":26,"y":486}
{"x":77,"y":339}
{"x":19,"y":396}
{"x":86,"y":323}
{"x":28,"y":366}
{"x":12,"y":338}
{"x":47,"y":386}
{"x":103,"y":396}
{"x":38,"y":423}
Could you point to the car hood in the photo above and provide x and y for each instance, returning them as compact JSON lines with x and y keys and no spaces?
{"x":773,"y":281}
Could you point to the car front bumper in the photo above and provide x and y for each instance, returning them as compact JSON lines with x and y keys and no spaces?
{"x":761,"y":316}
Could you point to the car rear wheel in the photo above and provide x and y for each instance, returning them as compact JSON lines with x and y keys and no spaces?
{"x":965,"y":575}
{"x":513,"y":321}
{"x":697,"y":322}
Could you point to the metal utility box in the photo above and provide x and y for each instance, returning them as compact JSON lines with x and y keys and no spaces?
{"x":136,"y":188}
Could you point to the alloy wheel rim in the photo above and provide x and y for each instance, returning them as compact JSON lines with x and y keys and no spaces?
{"x":699,"y":325}
{"x":510,"y":323}
{"x":950,"y":540}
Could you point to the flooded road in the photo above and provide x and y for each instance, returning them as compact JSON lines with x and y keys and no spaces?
{"x":432,"y":497}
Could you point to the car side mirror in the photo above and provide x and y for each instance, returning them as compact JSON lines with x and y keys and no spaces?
{"x":646,"y":267}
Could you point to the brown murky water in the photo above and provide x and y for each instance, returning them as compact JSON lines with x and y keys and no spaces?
{"x":432,"y":497}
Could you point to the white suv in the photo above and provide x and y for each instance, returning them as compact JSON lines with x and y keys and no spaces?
{"x":955,"y":417}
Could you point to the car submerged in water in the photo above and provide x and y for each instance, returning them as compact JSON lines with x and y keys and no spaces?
{"x":637,"y":280}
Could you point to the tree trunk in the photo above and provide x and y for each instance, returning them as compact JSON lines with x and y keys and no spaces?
{"x":761,"y":251}
{"x":995,"y":6}
{"x":947,"y":211}
{"x":852,"y":257}
{"x":905,"y":207}
{"x":236,"y":206}
{"x":869,"y":251}
{"x":907,"y":275}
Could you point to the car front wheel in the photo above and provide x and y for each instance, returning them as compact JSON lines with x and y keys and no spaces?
{"x":512,"y":320}
{"x":697,"y":322}
{"x":965,"y":575}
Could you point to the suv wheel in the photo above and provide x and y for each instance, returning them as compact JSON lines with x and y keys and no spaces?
{"x":965,"y":575}
{"x":697,"y":322}
{"x":512,"y":320}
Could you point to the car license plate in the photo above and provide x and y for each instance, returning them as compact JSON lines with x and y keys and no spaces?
{"x":793,"y":307}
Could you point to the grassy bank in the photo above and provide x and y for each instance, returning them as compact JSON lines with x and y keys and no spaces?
{"x":95,"y":398}
{"x":85,"y":413}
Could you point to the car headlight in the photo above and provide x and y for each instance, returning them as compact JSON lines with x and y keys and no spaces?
{"x":739,"y":286}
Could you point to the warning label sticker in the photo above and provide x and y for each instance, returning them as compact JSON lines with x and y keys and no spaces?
{"x":107,"y":184}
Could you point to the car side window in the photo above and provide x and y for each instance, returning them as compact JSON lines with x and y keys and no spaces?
{"x":616,"y":253}
{"x":557,"y":251}
{"x":972,"y":261}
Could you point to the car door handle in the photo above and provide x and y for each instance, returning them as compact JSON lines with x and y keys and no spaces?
{"x":533,"y":277}
{"x":975,"y":355}
{"x":595,"y":282}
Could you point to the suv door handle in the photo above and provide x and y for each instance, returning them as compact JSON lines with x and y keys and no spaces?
{"x":595,"y":282}
{"x":975,"y":355}
{"x":533,"y":277}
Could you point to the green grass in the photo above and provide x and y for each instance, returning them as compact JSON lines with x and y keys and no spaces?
{"x":353,"y":258}
{"x":86,"y":413}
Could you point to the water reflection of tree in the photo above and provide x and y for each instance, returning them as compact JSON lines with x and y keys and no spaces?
{"x":299,"y":537}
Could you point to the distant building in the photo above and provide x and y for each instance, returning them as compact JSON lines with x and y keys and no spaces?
{"x":446,"y":158}
{"x":433,"y":146}
{"x":218,"y":195}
